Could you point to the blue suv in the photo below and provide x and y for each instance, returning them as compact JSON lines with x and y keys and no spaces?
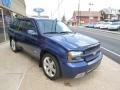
{"x":60,"y":51}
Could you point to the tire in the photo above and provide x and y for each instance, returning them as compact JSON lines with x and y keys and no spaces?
{"x":50,"y":66}
{"x":13,"y":45}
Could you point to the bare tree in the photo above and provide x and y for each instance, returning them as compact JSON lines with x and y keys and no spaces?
{"x":64,"y":19}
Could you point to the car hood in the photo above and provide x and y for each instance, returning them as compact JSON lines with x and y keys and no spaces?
{"x":72,"y":41}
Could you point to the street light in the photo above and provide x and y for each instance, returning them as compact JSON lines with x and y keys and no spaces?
{"x":90,"y":4}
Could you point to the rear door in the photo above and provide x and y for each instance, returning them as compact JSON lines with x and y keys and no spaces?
{"x":15,"y":33}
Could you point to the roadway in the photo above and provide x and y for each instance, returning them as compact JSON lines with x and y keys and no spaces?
{"x":110,"y":41}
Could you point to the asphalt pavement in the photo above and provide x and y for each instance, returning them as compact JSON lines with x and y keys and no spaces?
{"x":110,"y":41}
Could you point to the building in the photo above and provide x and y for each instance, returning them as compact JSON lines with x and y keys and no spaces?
{"x":85,"y":17}
{"x":110,"y":14}
{"x":10,"y":9}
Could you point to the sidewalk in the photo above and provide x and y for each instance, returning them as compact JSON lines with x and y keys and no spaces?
{"x":18,"y":71}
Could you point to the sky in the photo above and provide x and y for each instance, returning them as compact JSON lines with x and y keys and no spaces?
{"x":67,"y":7}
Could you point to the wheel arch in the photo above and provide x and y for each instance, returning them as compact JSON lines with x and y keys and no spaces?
{"x":49,"y":52}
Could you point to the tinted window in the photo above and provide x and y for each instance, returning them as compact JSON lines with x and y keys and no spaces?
{"x":15,"y":24}
{"x":26,"y":25}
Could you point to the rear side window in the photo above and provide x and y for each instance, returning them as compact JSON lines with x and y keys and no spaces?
{"x":15,"y":24}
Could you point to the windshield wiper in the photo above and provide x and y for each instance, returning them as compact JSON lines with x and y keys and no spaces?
{"x":56,"y":32}
{"x":65,"y":32}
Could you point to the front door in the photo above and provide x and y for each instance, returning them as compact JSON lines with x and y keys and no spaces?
{"x":30,"y":43}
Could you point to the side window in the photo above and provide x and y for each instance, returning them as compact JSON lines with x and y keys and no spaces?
{"x":26,"y":25}
{"x":15,"y":24}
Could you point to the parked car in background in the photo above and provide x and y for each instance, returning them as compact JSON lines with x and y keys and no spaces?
{"x":98,"y":24}
{"x":60,"y":51}
{"x":114,"y":26}
{"x":105,"y":25}
{"x":91,"y":25}
{"x":86,"y":24}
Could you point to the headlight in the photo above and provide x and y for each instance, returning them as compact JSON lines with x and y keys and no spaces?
{"x":75,"y":55}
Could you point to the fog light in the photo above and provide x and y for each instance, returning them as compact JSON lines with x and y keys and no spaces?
{"x":80,"y":75}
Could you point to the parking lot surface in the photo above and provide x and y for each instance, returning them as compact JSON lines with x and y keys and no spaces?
{"x":19,"y":71}
{"x":110,"y":40}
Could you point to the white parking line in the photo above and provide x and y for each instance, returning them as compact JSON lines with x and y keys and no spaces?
{"x":111,"y":51}
{"x":23,"y":76}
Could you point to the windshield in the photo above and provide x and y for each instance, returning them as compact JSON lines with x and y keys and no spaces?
{"x":52,"y":26}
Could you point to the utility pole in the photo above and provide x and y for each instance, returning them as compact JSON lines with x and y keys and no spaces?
{"x":90,"y":4}
{"x":78,"y":13}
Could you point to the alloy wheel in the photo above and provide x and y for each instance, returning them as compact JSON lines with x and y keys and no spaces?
{"x":49,"y":66}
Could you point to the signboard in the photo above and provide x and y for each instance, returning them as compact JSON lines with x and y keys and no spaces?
{"x":6,"y":3}
{"x":39,"y":10}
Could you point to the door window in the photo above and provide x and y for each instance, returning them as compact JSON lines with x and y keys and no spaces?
{"x":26,"y":25}
{"x":15,"y":24}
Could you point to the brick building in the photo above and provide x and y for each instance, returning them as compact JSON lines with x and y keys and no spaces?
{"x":85,"y":17}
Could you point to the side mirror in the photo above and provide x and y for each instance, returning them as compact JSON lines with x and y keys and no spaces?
{"x":32,"y":32}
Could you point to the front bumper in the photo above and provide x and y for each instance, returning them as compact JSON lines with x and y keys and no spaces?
{"x":74,"y":69}
{"x":113,"y":28}
{"x":103,"y":27}
{"x":97,"y":27}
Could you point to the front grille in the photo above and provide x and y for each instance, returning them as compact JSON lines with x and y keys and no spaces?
{"x":91,"y":52}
